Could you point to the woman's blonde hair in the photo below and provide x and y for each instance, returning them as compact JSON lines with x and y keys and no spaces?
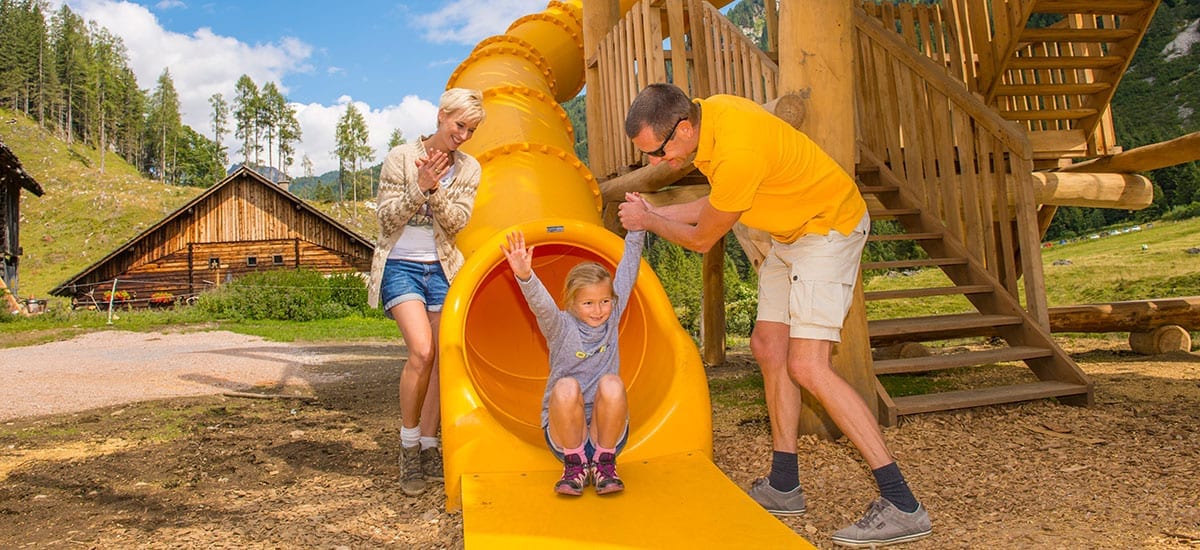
{"x":470,"y":102}
{"x":583,"y":275}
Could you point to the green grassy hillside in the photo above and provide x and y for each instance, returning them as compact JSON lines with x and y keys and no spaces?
{"x":1108,"y":268}
{"x":85,"y":214}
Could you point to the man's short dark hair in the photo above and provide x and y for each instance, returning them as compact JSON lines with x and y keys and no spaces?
{"x":659,"y":106}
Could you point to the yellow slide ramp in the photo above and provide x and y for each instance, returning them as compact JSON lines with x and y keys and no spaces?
{"x":493,"y":359}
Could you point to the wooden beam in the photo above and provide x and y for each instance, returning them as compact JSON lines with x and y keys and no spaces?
{"x":599,"y":16}
{"x":650,"y":178}
{"x":1131,"y":316}
{"x":1120,"y":191}
{"x":816,"y":61}
{"x":1148,"y":157}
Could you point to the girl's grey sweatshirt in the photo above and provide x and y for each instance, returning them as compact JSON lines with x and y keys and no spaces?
{"x":577,"y":350}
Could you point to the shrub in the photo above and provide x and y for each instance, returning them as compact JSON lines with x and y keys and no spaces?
{"x":286,"y":295}
{"x":1183,"y":212}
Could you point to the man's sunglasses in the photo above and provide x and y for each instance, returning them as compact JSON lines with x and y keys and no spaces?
{"x":662,"y":149}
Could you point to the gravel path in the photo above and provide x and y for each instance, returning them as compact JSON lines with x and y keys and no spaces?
{"x":115,"y":367}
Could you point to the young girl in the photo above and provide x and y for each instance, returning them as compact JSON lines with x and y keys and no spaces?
{"x":585,"y":414}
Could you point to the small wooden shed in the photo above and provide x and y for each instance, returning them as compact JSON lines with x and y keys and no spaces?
{"x":13,"y":178}
{"x":243,"y":224}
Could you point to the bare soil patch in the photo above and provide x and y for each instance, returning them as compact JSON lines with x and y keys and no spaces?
{"x":208,"y":470}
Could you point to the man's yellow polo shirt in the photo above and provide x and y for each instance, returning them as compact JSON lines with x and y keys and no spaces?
{"x":773,"y":174}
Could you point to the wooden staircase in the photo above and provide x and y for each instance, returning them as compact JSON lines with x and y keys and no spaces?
{"x":958,"y":184}
{"x":1056,"y":81}
{"x":995,"y":329}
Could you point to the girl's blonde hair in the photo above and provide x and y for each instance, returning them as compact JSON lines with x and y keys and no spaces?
{"x":470,"y":102}
{"x":583,"y":275}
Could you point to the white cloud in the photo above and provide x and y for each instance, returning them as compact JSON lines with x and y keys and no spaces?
{"x":469,"y":21}
{"x":204,"y":63}
{"x":413,"y":116}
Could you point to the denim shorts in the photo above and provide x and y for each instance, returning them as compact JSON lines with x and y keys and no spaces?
{"x":809,"y":284}
{"x":589,"y":448}
{"x":404,"y":281}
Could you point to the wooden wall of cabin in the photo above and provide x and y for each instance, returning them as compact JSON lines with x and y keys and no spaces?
{"x":240,"y":217}
{"x":205,"y":266}
{"x":10,"y":197}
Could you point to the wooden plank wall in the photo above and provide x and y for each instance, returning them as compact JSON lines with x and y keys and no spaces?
{"x":243,"y":214}
{"x":720,"y":61}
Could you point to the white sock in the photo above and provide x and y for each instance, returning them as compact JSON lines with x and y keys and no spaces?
{"x":410,"y":437}
{"x":428,"y":441}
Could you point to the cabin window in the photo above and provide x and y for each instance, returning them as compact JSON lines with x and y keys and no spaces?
{"x":214,"y":263}
{"x":277,"y":259}
{"x":251,"y":261}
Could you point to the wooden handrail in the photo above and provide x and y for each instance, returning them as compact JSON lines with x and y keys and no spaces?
{"x":1007,"y":132}
{"x":954,"y":156}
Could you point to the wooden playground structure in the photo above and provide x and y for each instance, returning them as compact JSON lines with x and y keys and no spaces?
{"x":963,"y":122}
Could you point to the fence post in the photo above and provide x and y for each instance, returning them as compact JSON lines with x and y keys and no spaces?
{"x":112,"y":295}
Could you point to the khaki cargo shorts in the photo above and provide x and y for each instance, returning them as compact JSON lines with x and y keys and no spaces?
{"x":809,"y":284}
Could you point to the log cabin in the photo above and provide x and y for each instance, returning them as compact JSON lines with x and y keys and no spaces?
{"x":243,"y":224}
{"x":13,"y":178}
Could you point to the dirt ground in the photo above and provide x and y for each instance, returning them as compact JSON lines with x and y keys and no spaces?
{"x":195,"y":467}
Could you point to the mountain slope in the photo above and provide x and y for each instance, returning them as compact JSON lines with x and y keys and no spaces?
{"x":85,"y":214}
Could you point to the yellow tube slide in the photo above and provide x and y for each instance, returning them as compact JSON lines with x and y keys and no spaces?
{"x":493,"y":358}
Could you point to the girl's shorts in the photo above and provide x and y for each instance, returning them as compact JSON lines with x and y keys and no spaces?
{"x":589,"y":448}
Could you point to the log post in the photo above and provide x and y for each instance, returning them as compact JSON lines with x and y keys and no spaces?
{"x":1164,"y":339}
{"x":816,"y":61}
{"x":598,"y":17}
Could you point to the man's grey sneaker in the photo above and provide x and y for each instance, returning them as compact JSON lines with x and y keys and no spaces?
{"x":885,"y":524}
{"x":412,"y":480}
{"x":777,"y":502}
{"x":431,"y":463}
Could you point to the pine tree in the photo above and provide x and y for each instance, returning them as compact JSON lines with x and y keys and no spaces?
{"x":397,"y":138}
{"x":164,"y":125}
{"x":220,"y":126}
{"x":352,"y":148}
{"x":245,"y":113}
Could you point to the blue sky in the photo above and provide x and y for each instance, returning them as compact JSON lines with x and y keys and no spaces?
{"x":391,"y":58}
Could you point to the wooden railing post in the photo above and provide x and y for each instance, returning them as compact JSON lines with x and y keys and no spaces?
{"x":823,"y":71}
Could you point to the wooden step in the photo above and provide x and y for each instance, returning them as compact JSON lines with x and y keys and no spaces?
{"x":1079,"y":62}
{"x":889,"y":213}
{"x":956,"y":360}
{"x":946,"y":401}
{"x":876,"y":295}
{"x":937,"y":327}
{"x":907,"y":264}
{"x":1048,"y":114}
{"x":877,"y":189}
{"x":1097,"y":7}
{"x":1078,"y":88}
{"x":1076,"y":35}
{"x":905,"y":237}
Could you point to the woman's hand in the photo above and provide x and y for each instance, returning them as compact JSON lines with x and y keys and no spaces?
{"x":430,"y":170}
{"x":520,"y":259}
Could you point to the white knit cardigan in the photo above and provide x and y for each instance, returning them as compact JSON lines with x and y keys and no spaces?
{"x":400,"y":198}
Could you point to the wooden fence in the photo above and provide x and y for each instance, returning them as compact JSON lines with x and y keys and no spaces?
{"x":718,"y":59}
